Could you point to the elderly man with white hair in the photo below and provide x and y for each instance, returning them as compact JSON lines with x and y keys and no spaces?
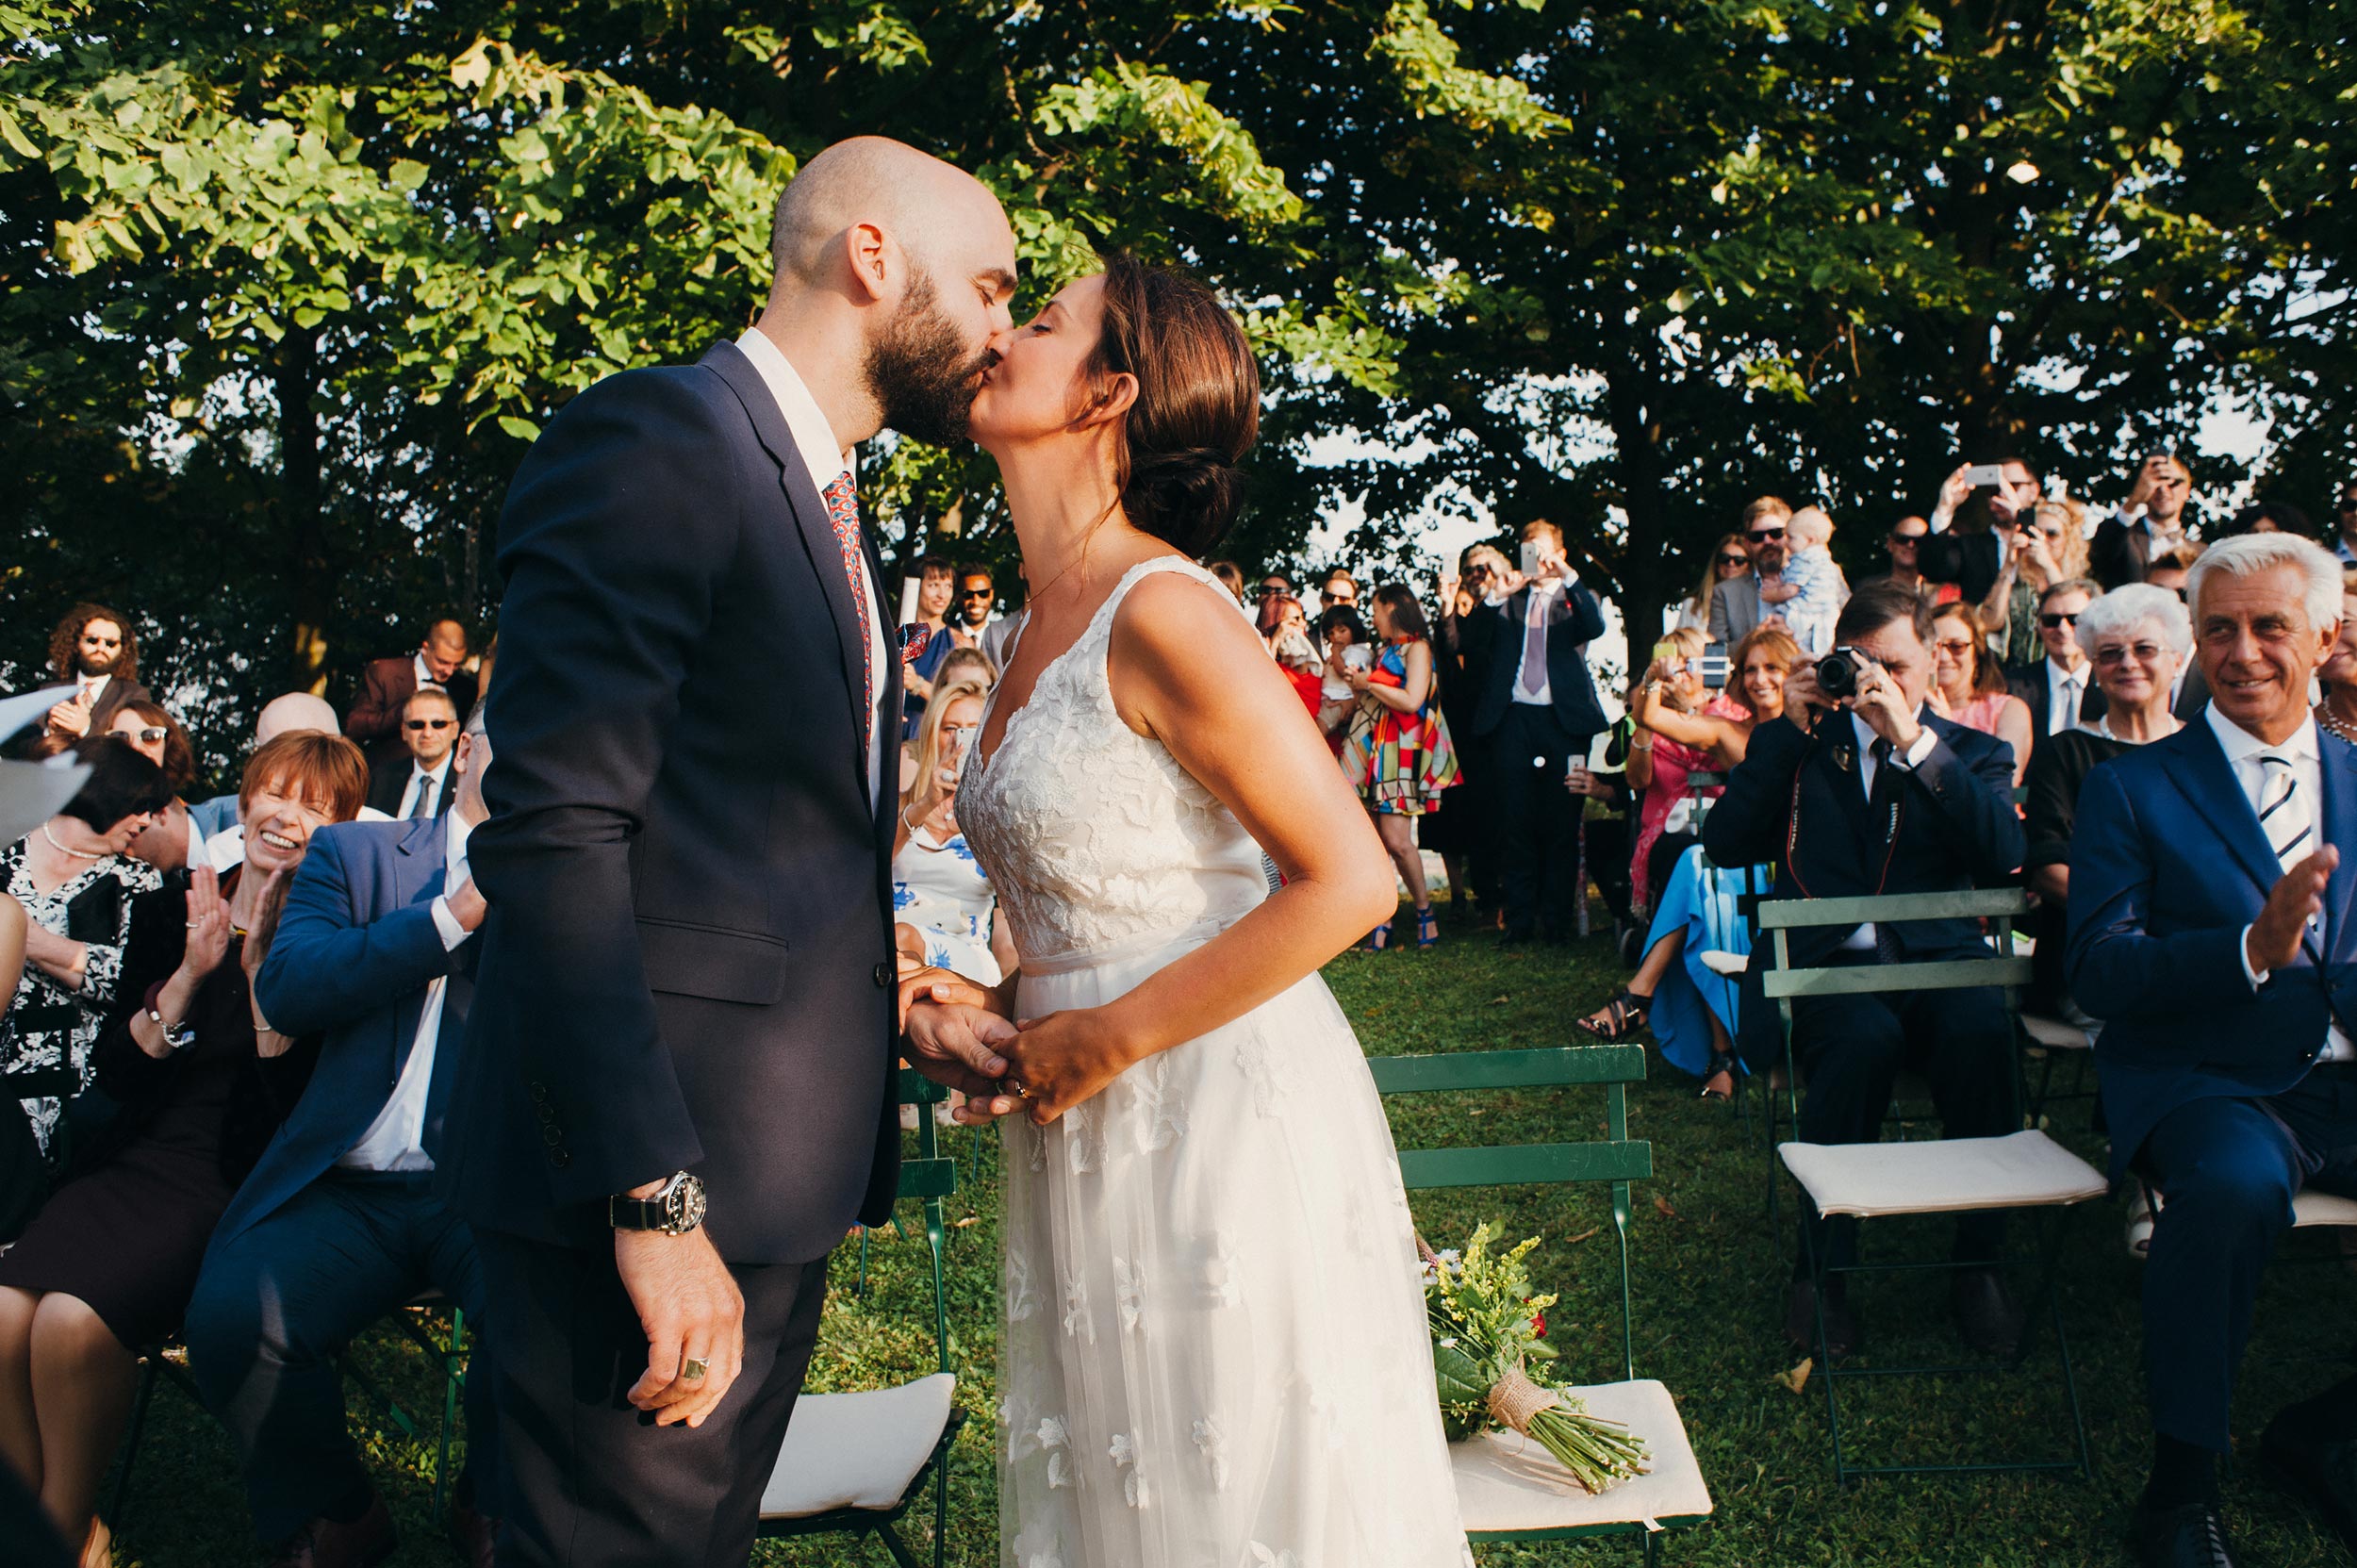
{"x":2212,"y":929}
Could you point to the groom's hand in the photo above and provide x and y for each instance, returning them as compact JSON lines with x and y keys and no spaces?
{"x":959,"y":1044}
{"x":930,"y":982}
{"x":690,"y":1308}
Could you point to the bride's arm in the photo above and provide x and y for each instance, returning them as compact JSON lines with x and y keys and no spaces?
{"x":1185,"y":669}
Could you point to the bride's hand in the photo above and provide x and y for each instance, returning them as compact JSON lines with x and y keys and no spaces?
{"x":1063,"y":1059}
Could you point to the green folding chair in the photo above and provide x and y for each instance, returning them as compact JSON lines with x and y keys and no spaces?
{"x":1946,"y":1176}
{"x":415,"y":1321}
{"x":1508,"y":1487}
{"x":856,"y":1464}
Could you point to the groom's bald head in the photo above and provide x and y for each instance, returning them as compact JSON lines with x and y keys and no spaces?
{"x":936,"y":213}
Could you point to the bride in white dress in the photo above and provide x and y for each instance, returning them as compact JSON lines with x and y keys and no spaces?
{"x":1214,"y":1350}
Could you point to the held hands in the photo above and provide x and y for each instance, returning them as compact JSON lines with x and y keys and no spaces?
{"x":953,"y":1031}
{"x":1063,"y":1059}
{"x":691,"y":1310}
{"x":2274,"y":937}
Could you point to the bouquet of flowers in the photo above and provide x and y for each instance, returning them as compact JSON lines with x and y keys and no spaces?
{"x":1488,"y":1329}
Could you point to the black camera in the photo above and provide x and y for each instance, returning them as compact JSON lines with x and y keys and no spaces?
{"x":1838,"y":673}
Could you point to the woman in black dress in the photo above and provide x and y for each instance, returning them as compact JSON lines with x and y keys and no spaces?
{"x":2137,"y":637}
{"x":107,"y":1269}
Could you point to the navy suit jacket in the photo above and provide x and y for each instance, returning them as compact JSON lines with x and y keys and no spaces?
{"x":354,"y":951}
{"x":2168,"y":865}
{"x":688,"y":958}
{"x":1497,"y":632}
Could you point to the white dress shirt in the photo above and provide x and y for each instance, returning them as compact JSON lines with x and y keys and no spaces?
{"x":396,"y":1140}
{"x":825,"y":457}
{"x":427,"y":680}
{"x":2065,"y":691}
{"x":2306,"y":755}
{"x":1531,"y":686}
{"x":1862,"y":939}
{"x":93,"y":686}
{"x":439,"y":774}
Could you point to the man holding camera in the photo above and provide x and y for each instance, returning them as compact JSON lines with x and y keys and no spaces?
{"x":1854,"y":791}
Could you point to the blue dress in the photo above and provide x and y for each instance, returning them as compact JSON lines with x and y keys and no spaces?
{"x":1701,"y":900}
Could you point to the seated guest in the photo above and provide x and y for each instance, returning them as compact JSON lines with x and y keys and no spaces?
{"x":943,"y":909}
{"x":1869,"y":795}
{"x":2059,"y":688}
{"x":2210,"y":928}
{"x":1692,"y":1009}
{"x":105,"y":1270}
{"x":1968,"y":687}
{"x":2266,"y":517}
{"x":387,"y":685}
{"x":93,"y":647}
{"x":174,"y":840}
{"x":281,"y":715}
{"x":77,"y":882}
{"x":421,"y":783}
{"x":2137,"y":637}
{"x":336,"y":1226}
{"x":2337,"y":675}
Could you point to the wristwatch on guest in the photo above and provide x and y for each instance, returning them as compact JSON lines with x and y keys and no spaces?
{"x":674,"y":1210}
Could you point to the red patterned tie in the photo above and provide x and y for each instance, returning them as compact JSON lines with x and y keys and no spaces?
{"x":842,"y":511}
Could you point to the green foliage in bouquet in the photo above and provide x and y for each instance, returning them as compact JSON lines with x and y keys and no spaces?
{"x":1488,"y":1329}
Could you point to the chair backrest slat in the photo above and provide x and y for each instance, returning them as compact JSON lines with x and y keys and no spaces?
{"x":1549,"y":1067}
{"x":1525,"y":1165}
{"x":1968,"y":903}
{"x":930,"y":1180}
{"x":1952,"y":974}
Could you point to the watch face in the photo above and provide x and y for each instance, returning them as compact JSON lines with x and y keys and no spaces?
{"x":684,"y":1205}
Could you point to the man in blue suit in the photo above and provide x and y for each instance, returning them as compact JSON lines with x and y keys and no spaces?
{"x":2210,"y":931}
{"x":338,"y":1225}
{"x":1867,"y":795}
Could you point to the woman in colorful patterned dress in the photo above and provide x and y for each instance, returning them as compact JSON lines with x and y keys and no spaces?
{"x":1399,"y":752}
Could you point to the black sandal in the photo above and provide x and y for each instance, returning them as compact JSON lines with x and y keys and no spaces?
{"x":1618,"y":1018}
{"x":1721,"y":1066}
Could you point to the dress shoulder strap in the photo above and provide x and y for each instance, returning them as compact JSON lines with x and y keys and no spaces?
{"x":1101,"y":623}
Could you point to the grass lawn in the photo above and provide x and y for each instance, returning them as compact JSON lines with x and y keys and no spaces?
{"x":1709,"y":1299}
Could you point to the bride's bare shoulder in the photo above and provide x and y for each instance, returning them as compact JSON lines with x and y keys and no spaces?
{"x":1174,"y":628}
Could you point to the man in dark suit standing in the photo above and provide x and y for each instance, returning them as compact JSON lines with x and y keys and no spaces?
{"x":337,"y":1224}
{"x":94,"y":648}
{"x":387,"y":685}
{"x":2151,"y":525}
{"x":1536,"y":711}
{"x":2059,"y":688}
{"x":2212,"y":928}
{"x":677,"y":1089}
{"x":1866,"y":796}
{"x":421,"y":784}
{"x":1972,"y":559}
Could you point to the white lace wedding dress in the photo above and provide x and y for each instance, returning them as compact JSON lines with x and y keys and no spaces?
{"x":1214,"y":1350}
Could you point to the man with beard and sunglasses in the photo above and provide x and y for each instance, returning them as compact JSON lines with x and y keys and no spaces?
{"x":93,"y":647}
{"x":677,"y":1090}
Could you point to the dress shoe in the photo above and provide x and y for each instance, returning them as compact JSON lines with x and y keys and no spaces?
{"x":473,"y":1536}
{"x":2322,"y":1474}
{"x":1842,"y":1336}
{"x":2191,"y":1535}
{"x":327,"y":1544}
{"x":1986,"y":1314}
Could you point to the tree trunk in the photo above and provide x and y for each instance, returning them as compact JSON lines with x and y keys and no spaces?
{"x":295,"y":375}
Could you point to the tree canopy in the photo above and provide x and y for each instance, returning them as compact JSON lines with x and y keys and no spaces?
{"x":285,"y":291}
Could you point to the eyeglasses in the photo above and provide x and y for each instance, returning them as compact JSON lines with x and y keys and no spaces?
{"x":427,"y":723}
{"x":1958,"y":647}
{"x":1758,"y":534}
{"x":2117,"y":653}
{"x":2055,"y":622}
{"x":1735,"y":560}
{"x":153,"y":735}
{"x":1331,"y":598}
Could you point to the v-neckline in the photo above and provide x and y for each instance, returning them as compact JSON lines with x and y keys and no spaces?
{"x":985,"y":755}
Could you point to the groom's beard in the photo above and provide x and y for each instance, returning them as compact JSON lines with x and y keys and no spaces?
{"x":919,"y":374}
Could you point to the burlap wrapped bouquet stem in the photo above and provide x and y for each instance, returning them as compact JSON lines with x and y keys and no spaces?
{"x":1514,"y":1400}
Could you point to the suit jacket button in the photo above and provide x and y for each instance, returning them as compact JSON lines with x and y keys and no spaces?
{"x":558,"y":1158}
{"x":884,"y":974}
{"x":539,"y":1090}
{"x":551,"y":1135}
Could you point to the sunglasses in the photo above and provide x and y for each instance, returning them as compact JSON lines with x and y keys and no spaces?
{"x":1909,"y":540}
{"x":1759,"y":535}
{"x":1735,"y":560}
{"x":102,"y":642}
{"x":975,"y":593}
{"x":153,"y":735}
{"x":2145,"y":653}
{"x":427,"y":723}
{"x":2054,"y":623}
{"x":2349,"y":504}
{"x":1270,"y":590}
{"x":1338,"y":598}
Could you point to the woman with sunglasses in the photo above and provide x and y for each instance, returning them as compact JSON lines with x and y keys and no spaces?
{"x":1729,"y":558}
{"x":171,"y":841}
{"x":2047,"y":547}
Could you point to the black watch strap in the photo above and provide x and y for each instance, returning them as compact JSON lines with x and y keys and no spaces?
{"x":634,"y":1213}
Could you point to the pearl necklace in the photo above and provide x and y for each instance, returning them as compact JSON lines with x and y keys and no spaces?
{"x":2324,"y":717}
{"x":78,"y":854}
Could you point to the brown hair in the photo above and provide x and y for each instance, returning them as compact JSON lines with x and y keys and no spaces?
{"x":1987,"y":679}
{"x":1880,"y":603}
{"x":179,"y":756}
{"x":63,"y":649}
{"x":1198,"y":404}
{"x":1765,"y":506}
{"x":1780,"y":645}
{"x":309,"y":765}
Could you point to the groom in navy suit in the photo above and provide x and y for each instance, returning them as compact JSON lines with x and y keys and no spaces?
{"x":336,"y":1224}
{"x":2212,"y":929}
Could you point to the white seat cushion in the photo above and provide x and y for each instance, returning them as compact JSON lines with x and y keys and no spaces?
{"x":2316,"y":1208}
{"x":857,"y":1450}
{"x":1722,"y":963}
{"x":2020,"y":1170}
{"x":2054,"y":1034}
{"x":1510,"y":1485}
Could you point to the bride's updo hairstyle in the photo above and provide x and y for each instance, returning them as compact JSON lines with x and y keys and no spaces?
{"x":1198,"y":404}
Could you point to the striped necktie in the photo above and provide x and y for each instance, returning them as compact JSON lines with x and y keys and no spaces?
{"x":2284,"y":815}
{"x":843,"y":512}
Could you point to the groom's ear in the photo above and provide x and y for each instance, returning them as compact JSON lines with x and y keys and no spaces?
{"x":874,"y":259}
{"x":1114,"y":397}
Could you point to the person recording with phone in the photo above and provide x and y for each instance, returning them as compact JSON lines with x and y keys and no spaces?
{"x":944,"y":911}
{"x":1537,"y":710}
{"x":1855,"y":790}
{"x":1969,"y":550}
{"x":2150,"y":524}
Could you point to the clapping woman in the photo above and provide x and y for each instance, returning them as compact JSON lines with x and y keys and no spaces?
{"x":107,"y":1269}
